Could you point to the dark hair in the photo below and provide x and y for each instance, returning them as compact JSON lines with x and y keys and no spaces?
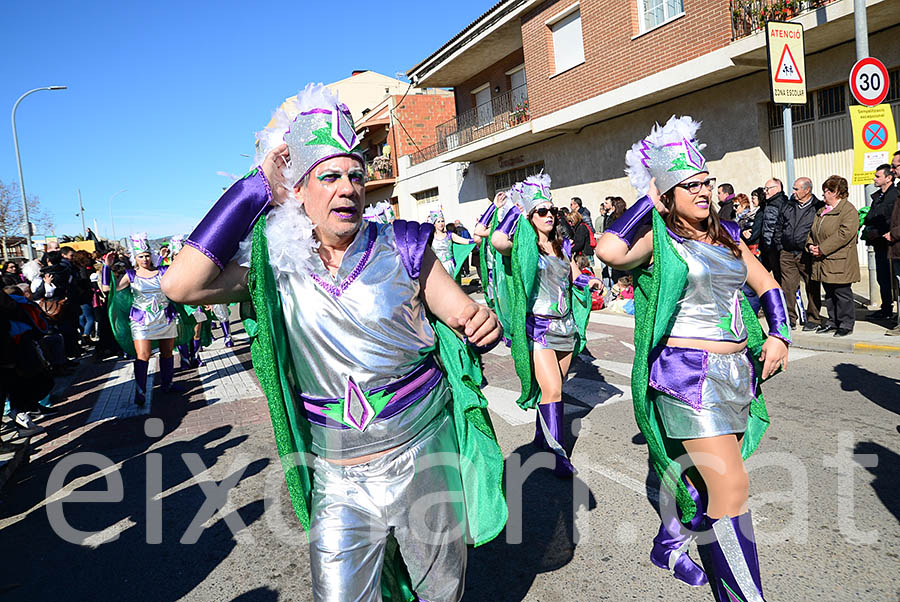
{"x":54,"y":257}
{"x":885,"y":167}
{"x":726,"y":188}
{"x":555,"y":241}
{"x":837,"y":185}
{"x":577,"y":201}
{"x":760,"y":196}
{"x":618,"y":207}
{"x":83,"y":259}
{"x":66,"y":249}
{"x":717,"y":234}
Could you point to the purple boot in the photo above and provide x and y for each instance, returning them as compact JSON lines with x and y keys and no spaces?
{"x":671,"y":544}
{"x":195,"y":354}
{"x":551,"y":430}
{"x":184,"y":358}
{"x":226,"y":330}
{"x":166,"y":371}
{"x":734,"y":564}
{"x":140,"y":381}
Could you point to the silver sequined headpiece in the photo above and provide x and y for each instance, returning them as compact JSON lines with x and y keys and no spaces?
{"x":435,"y":217}
{"x":670,"y":154}
{"x":316,"y":126}
{"x":141,"y":244}
{"x":534,"y":191}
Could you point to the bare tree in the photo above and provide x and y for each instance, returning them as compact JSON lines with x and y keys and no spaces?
{"x":12,"y":217}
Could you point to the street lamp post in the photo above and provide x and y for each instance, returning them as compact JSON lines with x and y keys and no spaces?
{"x":29,"y":249}
{"x":111,"y":223}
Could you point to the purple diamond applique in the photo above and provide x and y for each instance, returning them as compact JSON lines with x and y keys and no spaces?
{"x":693,"y":155}
{"x":358,"y":412}
{"x":341,"y":130}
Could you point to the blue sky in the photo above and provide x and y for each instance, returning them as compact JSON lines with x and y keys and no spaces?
{"x":162,"y":95}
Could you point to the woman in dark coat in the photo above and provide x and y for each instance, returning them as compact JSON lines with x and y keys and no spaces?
{"x":832,"y":243}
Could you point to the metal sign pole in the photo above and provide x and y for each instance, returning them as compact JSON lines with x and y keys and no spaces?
{"x":862,"y":51}
{"x":788,"y":148}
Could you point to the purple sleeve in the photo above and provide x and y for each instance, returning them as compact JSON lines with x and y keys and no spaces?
{"x":633,"y":220}
{"x":775,"y":309}
{"x":412,"y":239}
{"x":733,"y":229}
{"x":131,"y":275}
{"x":106,"y":275}
{"x":485,"y":219}
{"x":508,"y":225}
{"x":567,"y":248}
{"x":231,"y":218}
{"x":582,"y":281}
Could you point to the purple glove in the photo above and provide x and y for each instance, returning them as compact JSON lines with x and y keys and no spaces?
{"x":508,"y":225}
{"x":633,"y":220}
{"x":232,"y":218}
{"x":774,"y":307}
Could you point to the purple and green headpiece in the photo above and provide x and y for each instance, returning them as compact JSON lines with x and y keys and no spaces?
{"x":534,"y":191}
{"x":670,"y":154}
{"x":435,"y":216}
{"x":316,"y":126}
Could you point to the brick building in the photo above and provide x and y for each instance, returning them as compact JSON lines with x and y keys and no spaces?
{"x":567,"y":86}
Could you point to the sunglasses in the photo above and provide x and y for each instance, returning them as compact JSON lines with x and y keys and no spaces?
{"x":694,"y":187}
{"x":543,"y":211}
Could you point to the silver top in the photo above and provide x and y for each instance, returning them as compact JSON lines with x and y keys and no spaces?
{"x":709,"y":307}
{"x":368,"y":323}
{"x":443,"y":249}
{"x":551,"y":294}
{"x":148,"y":295}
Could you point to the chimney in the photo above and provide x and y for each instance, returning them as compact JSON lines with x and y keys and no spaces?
{"x":357,"y":72}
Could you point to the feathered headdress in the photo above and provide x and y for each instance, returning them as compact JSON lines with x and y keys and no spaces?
{"x":381,"y":213}
{"x":535,"y":190}
{"x":670,"y":154}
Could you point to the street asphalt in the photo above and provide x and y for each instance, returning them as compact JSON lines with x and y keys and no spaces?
{"x":824,"y":493}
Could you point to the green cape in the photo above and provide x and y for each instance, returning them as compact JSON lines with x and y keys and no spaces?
{"x":460,"y":252}
{"x":482,"y":474}
{"x":656,"y":293}
{"x":520,"y":283}
{"x":118,"y":306}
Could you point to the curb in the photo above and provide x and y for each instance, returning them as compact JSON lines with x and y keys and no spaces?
{"x":875,"y":349}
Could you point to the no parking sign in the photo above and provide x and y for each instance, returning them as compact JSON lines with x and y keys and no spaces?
{"x":874,"y":140}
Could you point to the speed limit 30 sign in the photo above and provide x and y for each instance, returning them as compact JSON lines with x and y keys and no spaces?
{"x":869,"y":81}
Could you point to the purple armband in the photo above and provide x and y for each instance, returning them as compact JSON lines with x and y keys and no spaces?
{"x":774,"y":307}
{"x":105,"y":275}
{"x":508,"y":225}
{"x":631,"y":222}
{"x":231,"y":218}
{"x":487,"y":216}
{"x":582,"y":281}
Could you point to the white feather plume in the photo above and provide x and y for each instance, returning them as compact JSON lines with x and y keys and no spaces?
{"x":675,"y":130}
{"x":289,"y":232}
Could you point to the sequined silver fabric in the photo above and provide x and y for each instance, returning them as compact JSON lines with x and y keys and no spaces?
{"x":734,"y":555}
{"x":550,"y":299}
{"x":443,"y":249}
{"x":709,"y":307}
{"x":149,"y":298}
{"x":726,"y":394}
{"x":374,"y":330}
{"x":415,"y":492}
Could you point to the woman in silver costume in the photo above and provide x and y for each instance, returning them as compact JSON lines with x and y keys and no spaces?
{"x":549,"y":322}
{"x":699,"y":390}
{"x":443,"y":241}
{"x":152,"y":317}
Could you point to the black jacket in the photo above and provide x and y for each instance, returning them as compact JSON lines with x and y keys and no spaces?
{"x":581,"y":241}
{"x":770,"y":217}
{"x":794,"y":223}
{"x":878,"y":220}
{"x":726,"y":210}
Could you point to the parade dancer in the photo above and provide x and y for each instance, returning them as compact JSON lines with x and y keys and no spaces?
{"x":450,"y":249}
{"x":222,"y":313}
{"x":700,"y":355}
{"x":354,"y":370}
{"x":187,"y":355}
{"x":142,"y":317}
{"x":549,"y":309}
{"x":494,"y":266}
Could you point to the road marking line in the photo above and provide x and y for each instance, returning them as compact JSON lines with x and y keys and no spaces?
{"x":622,"y":479}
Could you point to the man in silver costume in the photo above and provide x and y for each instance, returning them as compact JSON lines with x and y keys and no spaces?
{"x":354,"y":297}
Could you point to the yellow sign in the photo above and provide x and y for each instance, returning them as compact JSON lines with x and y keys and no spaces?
{"x":787,"y":62}
{"x":83,"y":245}
{"x":874,"y":140}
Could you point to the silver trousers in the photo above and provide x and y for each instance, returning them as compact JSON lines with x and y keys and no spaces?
{"x":415,"y":493}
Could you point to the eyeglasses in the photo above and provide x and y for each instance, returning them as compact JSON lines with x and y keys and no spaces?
{"x":694,"y":187}
{"x":766,"y":188}
{"x":543,"y":211}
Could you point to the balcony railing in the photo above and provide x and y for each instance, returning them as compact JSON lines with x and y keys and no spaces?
{"x":500,"y":113}
{"x":749,"y":16}
{"x":380,"y":168}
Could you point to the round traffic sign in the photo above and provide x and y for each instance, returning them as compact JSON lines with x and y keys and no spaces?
{"x":869,"y":81}
{"x":875,"y":135}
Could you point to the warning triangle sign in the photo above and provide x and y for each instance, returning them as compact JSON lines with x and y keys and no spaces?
{"x":787,"y":72}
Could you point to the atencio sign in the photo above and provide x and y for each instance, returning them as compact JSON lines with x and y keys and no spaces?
{"x":787,"y":62}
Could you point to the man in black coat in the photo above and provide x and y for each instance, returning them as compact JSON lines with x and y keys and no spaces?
{"x":770,"y":253}
{"x":726,"y":202}
{"x":791,"y":231}
{"x":875,"y":226}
